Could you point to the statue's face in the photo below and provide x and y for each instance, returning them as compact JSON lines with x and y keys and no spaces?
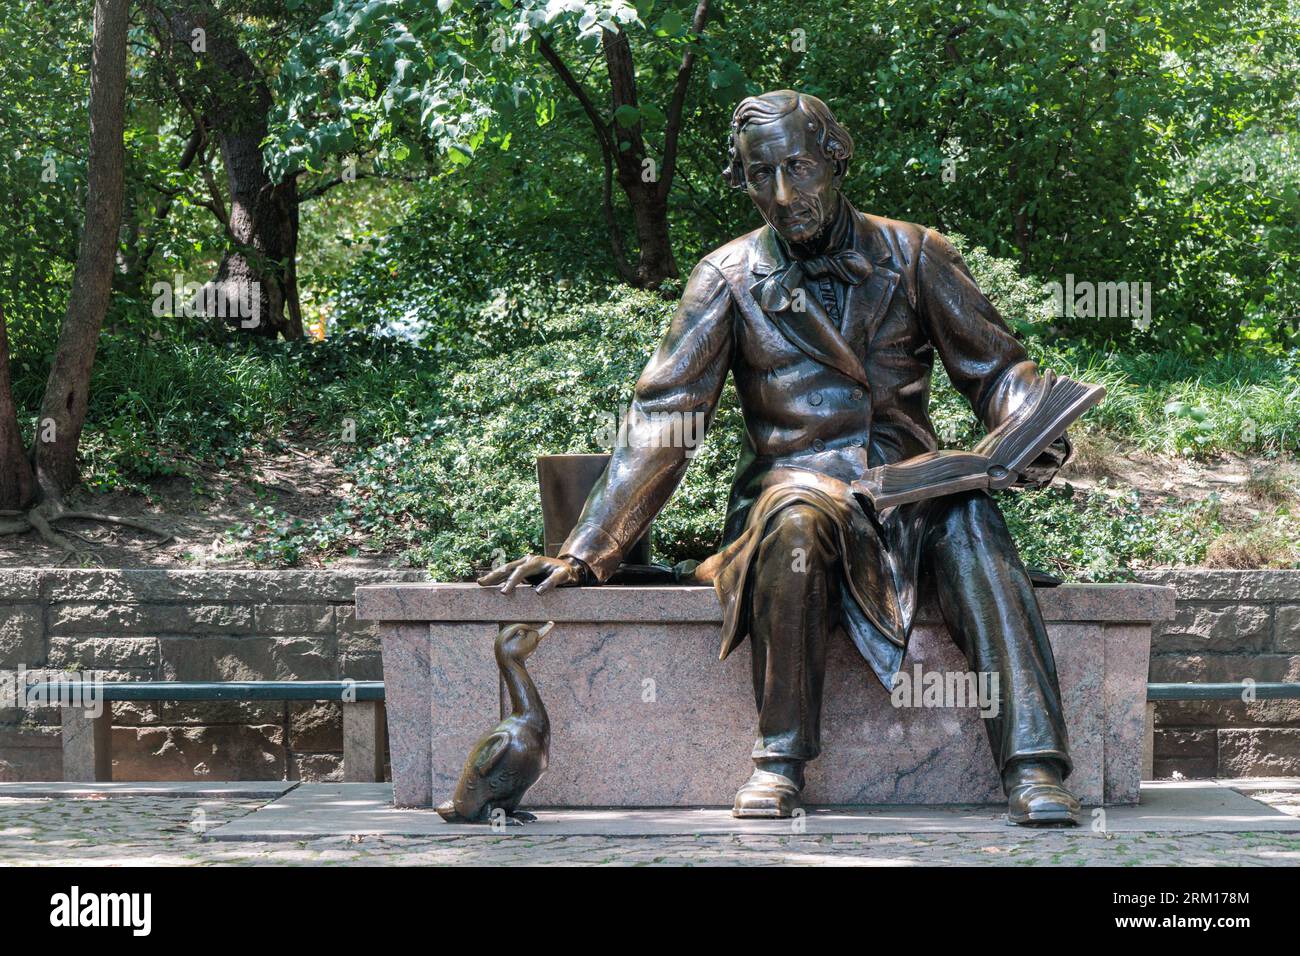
{"x":791,"y":182}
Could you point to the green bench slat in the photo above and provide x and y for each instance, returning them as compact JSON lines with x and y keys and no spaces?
{"x":1260,"y":691}
{"x":216,"y":690}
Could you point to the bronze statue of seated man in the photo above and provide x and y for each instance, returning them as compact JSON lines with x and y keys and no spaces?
{"x":829,"y":321}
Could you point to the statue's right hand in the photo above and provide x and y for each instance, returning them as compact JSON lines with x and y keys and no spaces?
{"x":554,"y":572}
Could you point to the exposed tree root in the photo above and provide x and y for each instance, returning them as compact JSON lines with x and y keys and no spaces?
{"x":44,"y":517}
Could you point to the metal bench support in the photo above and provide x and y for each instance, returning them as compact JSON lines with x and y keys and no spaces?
{"x":87,"y":744}
{"x":363,"y":741}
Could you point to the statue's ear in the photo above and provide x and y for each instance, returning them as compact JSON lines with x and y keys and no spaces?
{"x":841,"y":170}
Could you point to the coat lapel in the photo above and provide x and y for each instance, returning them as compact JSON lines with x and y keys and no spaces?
{"x":865,"y":304}
{"x":776,"y":280}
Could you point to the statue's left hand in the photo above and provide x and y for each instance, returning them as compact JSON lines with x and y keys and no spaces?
{"x":1043,"y":469}
{"x":554,"y":572}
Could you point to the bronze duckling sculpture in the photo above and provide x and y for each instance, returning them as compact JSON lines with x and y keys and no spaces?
{"x":513,"y":756}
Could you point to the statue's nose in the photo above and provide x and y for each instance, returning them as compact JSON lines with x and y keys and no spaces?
{"x":784,"y":194}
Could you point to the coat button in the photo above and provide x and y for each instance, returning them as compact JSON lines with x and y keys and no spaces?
{"x":819,"y":445}
{"x":857,"y":394}
{"x":815,"y":398}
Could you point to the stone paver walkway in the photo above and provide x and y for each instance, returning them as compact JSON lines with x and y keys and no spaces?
{"x":168,"y":831}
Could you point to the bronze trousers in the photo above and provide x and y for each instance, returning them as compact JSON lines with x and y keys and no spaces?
{"x":969,"y":560}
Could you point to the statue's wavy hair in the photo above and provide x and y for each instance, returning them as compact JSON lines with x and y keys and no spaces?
{"x":834,"y":139}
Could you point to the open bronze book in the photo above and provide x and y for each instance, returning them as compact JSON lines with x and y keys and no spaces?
{"x":998,"y":461}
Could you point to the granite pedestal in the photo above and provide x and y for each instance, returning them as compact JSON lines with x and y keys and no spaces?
{"x":644,"y":714}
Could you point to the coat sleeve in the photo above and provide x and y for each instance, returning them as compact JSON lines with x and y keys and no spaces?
{"x":674,"y":401}
{"x":985,"y":362}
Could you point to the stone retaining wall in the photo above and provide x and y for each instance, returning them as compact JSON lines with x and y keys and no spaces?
{"x":264,"y":625}
{"x":187,"y":625}
{"x":1229,"y":626}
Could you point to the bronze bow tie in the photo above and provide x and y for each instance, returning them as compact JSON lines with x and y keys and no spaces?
{"x":847,"y":265}
{"x":774,"y":293}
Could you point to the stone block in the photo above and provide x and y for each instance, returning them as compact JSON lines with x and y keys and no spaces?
{"x":151,"y":585}
{"x":1259,"y":752}
{"x":30,"y":753}
{"x":87,"y":743}
{"x":191,"y":753}
{"x":21,"y":585}
{"x":316,"y":768}
{"x":315,"y":726}
{"x":1286,"y":629}
{"x":248,"y":658}
{"x":1210,"y":628}
{"x":22,"y":636}
{"x":1181,"y":743}
{"x":363,"y":741}
{"x":643,"y":713}
{"x":1128,"y":652}
{"x":97,"y":653}
{"x":1251,"y":587}
{"x":293,"y":618}
{"x":90,"y":618}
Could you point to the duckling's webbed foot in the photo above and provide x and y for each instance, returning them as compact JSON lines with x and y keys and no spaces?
{"x":522,"y":817}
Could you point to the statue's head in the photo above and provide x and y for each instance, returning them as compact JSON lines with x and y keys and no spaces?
{"x":790,"y":154}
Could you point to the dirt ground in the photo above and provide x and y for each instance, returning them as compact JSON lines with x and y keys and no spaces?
{"x":204,"y":516}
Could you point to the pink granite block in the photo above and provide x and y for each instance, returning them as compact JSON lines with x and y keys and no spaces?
{"x":407,"y":693}
{"x":1128,"y":653}
{"x":464,"y":699}
{"x":644,"y":714}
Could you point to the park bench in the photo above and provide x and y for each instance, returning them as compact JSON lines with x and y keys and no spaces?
{"x":1184,"y":692}
{"x":87,"y":739}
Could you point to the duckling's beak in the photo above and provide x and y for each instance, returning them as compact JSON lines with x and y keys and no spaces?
{"x":545,"y":629}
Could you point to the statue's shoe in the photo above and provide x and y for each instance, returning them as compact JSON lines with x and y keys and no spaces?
{"x":1036,"y":797}
{"x":767,"y":795}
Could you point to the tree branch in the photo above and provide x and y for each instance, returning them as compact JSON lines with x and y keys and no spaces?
{"x":674,"y":123}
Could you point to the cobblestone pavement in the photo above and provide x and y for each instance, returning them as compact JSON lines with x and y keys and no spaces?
{"x":167,"y":831}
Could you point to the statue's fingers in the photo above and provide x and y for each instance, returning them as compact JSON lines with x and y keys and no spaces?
{"x":524,"y":569}
{"x":553,"y":580}
{"x":497,"y":575}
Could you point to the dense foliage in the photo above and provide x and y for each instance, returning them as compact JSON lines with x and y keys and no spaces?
{"x":453,"y":254}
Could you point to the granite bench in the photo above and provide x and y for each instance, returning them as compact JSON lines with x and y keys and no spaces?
{"x":87,"y":717}
{"x":644,"y":714}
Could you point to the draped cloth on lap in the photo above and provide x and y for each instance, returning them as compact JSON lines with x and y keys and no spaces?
{"x":878,"y":566}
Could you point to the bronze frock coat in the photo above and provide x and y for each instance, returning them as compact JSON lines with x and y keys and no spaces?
{"x":821,"y":404}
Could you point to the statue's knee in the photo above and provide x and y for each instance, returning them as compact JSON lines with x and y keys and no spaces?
{"x":799,"y":521}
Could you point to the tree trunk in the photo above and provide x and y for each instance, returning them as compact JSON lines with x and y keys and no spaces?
{"x":17,"y":486}
{"x":67,"y":390}
{"x":263,"y":219}
{"x":638,"y":175}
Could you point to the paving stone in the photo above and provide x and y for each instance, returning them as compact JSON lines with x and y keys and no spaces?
{"x":160,"y":830}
